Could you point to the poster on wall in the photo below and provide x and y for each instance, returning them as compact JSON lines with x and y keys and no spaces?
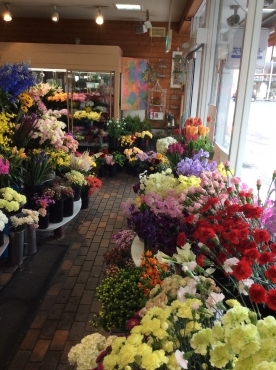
{"x":235,"y":41}
{"x":134,"y":88}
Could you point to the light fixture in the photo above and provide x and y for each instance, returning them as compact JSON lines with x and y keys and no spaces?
{"x":7,"y":15}
{"x":147,"y":23}
{"x":55,"y":15}
{"x":234,"y":19}
{"x":127,"y":7}
{"x":99,"y":18}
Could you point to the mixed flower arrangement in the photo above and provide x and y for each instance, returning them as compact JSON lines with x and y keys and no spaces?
{"x":28,"y":217}
{"x":91,"y":184}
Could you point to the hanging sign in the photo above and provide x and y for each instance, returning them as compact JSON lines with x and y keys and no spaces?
{"x":235,"y":40}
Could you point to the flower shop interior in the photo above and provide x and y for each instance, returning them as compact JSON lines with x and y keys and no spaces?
{"x":137,"y":185}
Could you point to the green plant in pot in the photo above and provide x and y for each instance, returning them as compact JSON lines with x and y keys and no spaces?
{"x":36,"y":169}
{"x":119,"y":158}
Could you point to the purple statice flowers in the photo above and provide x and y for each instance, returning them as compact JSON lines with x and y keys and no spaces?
{"x":196,"y":165}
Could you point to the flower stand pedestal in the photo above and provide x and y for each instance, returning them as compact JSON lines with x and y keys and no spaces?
{"x":16,"y":248}
{"x":30,"y":240}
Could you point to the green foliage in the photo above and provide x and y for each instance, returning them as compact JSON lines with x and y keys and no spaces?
{"x":135,"y":124}
{"x":120,"y":298}
{"x":119,"y":158}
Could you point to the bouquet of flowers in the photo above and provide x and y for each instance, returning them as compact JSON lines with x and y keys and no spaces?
{"x":131,"y":155}
{"x":82,"y":162}
{"x":100,"y":159}
{"x":163,"y":143}
{"x":115,"y":127}
{"x":144,"y":135}
{"x":75,"y":178}
{"x":29,"y":217}
{"x":85,"y":353}
{"x":15,"y":157}
{"x":11,"y":200}
{"x":42,"y":202}
{"x":4,"y":170}
{"x":92,"y":183}
{"x":127,"y":140}
{"x":87,"y":114}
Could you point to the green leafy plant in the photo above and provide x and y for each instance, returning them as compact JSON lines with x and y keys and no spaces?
{"x":36,"y":169}
{"x":120,"y":298}
{"x":119,"y":158}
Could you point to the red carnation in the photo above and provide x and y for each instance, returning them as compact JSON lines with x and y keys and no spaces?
{"x":271,"y":274}
{"x":251,"y":254}
{"x":189,"y":219}
{"x":272,"y":246}
{"x":204,"y":234}
{"x":242,"y":270}
{"x":232,"y":209}
{"x":250,"y":211}
{"x":257,"y":293}
{"x":261,"y":236}
{"x":265,"y":257}
{"x":200,"y":260}
{"x":271,"y":299}
{"x":181,"y":239}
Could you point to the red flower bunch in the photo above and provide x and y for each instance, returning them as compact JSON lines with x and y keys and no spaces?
{"x":231,"y":239}
{"x":92,"y":183}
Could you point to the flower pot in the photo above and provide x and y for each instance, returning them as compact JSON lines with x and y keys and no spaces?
{"x":136,"y":171}
{"x":30,"y":240}
{"x":129,"y":169}
{"x":43,"y":222}
{"x":147,"y":244}
{"x":113,"y":142}
{"x":85,"y":199}
{"x":77,"y":190}
{"x":1,"y":238}
{"x":29,"y":192}
{"x":56,"y":212}
{"x":112,"y":169}
{"x":16,"y":248}
{"x":102,"y":171}
{"x":142,"y":143}
{"x":68,"y":207}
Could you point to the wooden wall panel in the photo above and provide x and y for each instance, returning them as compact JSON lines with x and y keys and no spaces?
{"x":111,"y":33}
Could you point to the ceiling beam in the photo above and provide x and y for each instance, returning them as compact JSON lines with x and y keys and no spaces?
{"x":189,"y":11}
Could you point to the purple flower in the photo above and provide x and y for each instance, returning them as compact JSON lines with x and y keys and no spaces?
{"x":195,"y":166}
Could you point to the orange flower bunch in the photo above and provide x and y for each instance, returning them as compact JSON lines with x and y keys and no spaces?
{"x":194,"y":126}
{"x":153,"y":272}
{"x":58,"y":97}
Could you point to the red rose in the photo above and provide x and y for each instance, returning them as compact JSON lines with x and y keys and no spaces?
{"x":261,"y":236}
{"x":271,"y":274}
{"x":257,"y":293}
{"x":271,"y":299}
{"x":181,"y":239}
{"x":265,"y":257}
{"x":242,"y":270}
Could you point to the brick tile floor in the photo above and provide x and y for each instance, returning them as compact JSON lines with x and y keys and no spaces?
{"x":63,"y":316}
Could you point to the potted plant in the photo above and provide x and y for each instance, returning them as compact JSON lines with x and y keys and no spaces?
{"x":119,"y":159}
{"x":115,"y":129}
{"x":42,"y":204}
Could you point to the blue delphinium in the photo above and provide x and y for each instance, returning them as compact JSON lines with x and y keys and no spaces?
{"x":196,"y":165}
{"x":15,"y":78}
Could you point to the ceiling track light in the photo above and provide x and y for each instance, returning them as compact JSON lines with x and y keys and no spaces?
{"x":55,"y":15}
{"x":99,"y":18}
{"x":7,"y":15}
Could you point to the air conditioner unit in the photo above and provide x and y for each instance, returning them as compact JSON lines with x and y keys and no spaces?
{"x":157,"y":32}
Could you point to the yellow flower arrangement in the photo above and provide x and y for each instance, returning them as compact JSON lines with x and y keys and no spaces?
{"x":26,"y":101}
{"x":57,"y":157}
{"x":127,"y":140}
{"x":75,"y":178}
{"x":83,"y":114}
{"x":58,"y":97}
{"x":11,"y":200}
{"x":144,"y":134}
{"x":6,"y":128}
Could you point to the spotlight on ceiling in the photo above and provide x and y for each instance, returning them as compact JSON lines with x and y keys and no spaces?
{"x":147,"y":23}
{"x":99,"y":18}
{"x":234,"y":19}
{"x":55,"y":15}
{"x":7,"y":15}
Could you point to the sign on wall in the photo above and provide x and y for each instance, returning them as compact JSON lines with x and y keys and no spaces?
{"x":235,"y":40}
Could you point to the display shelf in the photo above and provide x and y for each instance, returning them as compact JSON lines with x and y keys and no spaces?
{"x":57,"y":227}
{"x":4,"y":246}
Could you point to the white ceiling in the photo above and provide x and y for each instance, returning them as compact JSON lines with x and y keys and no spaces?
{"x":86,"y":9}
